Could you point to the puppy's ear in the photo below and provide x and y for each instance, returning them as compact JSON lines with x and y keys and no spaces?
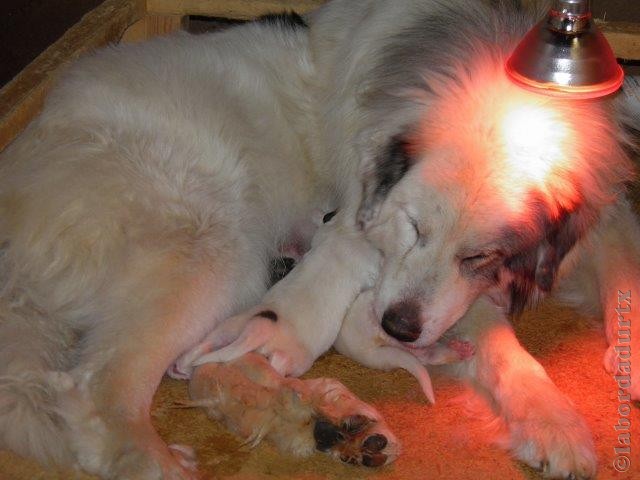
{"x":534,"y":269}
{"x":391,"y":164}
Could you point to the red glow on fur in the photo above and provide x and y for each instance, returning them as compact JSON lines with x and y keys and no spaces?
{"x":510,"y":147}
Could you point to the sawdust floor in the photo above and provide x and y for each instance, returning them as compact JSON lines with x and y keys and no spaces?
{"x":439,"y":442}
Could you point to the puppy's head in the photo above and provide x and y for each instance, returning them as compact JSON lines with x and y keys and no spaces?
{"x":485,"y":194}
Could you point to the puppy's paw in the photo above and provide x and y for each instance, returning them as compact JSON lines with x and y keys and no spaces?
{"x":548,"y":434}
{"x":442,"y":353}
{"x":264,"y":333}
{"x":183,"y":367}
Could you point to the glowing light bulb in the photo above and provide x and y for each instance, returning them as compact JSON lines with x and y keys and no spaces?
{"x":534,"y":139}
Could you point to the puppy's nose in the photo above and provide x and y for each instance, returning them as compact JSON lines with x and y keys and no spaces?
{"x":402,"y":321}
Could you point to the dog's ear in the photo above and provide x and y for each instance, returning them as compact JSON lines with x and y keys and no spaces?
{"x":390,"y":165}
{"x":534,"y":269}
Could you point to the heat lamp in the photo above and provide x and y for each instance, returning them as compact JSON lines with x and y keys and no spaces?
{"x":566,"y":55}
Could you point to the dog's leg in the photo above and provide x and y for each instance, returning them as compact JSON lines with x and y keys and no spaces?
{"x":300,"y":317}
{"x":298,"y":416}
{"x":545,"y":430}
{"x":617,"y":265}
{"x":125,"y":358}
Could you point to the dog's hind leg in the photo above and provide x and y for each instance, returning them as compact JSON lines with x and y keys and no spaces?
{"x":544,"y":429}
{"x":163,"y":306}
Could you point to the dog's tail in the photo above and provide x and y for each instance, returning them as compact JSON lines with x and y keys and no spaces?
{"x":30,"y":421}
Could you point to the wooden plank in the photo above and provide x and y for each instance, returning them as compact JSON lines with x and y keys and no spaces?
{"x":154,"y":25}
{"x":22,"y":98}
{"x":623,"y":37}
{"x":237,"y":9}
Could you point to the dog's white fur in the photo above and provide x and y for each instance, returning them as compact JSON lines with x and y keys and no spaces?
{"x":141,"y":208}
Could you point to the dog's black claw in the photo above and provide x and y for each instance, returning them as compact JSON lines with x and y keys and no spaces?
{"x":375,"y":460}
{"x":375,"y":443}
{"x":326,"y":435}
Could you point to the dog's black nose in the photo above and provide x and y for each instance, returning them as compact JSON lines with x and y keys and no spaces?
{"x":402,"y":321}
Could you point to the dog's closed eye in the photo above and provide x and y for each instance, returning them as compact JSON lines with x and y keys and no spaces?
{"x":421,"y":238}
{"x":475,"y":258}
{"x":480,"y":260}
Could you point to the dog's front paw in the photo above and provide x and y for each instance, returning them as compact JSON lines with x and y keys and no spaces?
{"x":548,"y":434}
{"x":349,"y":429}
{"x":298,"y":416}
{"x":356,"y":440}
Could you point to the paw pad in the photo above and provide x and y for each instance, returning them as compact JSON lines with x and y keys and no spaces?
{"x":351,"y":441}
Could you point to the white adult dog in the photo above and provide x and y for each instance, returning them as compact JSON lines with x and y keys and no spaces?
{"x":141,"y":209}
{"x":481,"y":197}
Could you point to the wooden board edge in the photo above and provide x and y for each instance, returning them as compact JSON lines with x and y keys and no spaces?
{"x":624,"y":38}
{"x":151,"y":26}
{"x":235,"y":9}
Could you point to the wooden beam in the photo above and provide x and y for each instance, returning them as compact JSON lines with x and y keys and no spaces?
{"x":23,"y":96}
{"x":624,"y":38}
{"x":237,"y":9}
{"x":154,"y":25}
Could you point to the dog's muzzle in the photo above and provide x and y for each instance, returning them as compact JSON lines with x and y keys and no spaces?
{"x":402,"y":321}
